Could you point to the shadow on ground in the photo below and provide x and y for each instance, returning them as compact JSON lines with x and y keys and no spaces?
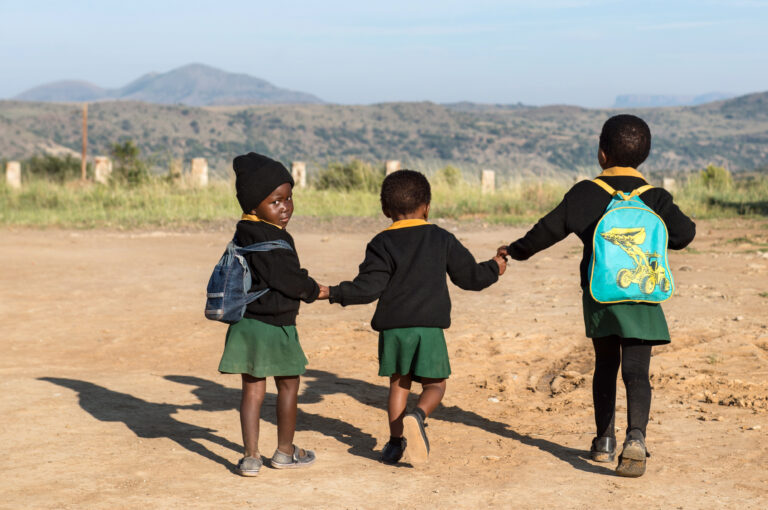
{"x":742,"y":208}
{"x":154,"y":420}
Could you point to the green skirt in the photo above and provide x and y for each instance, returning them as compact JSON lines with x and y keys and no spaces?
{"x":262,"y":350}
{"x":420,"y":352}
{"x":644,"y":321}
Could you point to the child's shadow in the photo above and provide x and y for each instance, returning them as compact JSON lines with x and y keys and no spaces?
{"x":145,"y":419}
{"x":325,"y":383}
{"x":154,"y":420}
{"x":215,"y":397}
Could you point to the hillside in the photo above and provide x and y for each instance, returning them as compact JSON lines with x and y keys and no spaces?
{"x":194,"y":85}
{"x":653,"y":101}
{"x":513,"y":139}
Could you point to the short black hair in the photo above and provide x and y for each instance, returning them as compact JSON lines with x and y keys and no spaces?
{"x":402,"y":192}
{"x":626,"y":140}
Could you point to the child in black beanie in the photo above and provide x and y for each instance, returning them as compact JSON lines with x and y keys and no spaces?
{"x":265,"y":342}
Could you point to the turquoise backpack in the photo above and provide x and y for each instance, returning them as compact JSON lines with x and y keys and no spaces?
{"x":629,"y":252}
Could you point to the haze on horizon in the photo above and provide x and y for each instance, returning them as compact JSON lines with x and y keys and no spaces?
{"x":583,"y":52}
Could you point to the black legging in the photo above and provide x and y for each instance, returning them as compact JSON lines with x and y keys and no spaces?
{"x":634,"y":356}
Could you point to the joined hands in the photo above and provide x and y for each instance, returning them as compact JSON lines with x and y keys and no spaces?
{"x":501,"y":259}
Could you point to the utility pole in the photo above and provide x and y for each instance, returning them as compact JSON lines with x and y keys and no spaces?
{"x":85,"y":141}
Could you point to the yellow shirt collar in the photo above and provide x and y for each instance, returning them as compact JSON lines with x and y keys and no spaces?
{"x":253,"y":217}
{"x":406,"y":224}
{"x":625,"y":171}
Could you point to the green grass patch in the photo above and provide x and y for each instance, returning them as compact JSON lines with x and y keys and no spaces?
{"x":158,"y":202}
{"x":42,"y":203}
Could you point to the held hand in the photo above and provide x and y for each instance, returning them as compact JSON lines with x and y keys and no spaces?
{"x":324,"y":292}
{"x":502,"y":252}
{"x":502,"y":262}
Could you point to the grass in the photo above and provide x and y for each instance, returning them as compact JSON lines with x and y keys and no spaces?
{"x":159,"y":203}
{"x":746,"y":198}
{"x":41,"y":203}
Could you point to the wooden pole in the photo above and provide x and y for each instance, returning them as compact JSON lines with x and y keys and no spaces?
{"x":85,"y":141}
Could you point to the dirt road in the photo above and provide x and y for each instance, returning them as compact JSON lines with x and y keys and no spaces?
{"x":110,"y":397}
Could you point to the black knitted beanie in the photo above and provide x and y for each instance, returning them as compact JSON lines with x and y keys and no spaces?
{"x":257,"y":176}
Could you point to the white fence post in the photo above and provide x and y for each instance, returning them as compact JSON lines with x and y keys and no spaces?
{"x":668,"y":184}
{"x":102,"y":169}
{"x":489,"y":181}
{"x":392,"y":165}
{"x":13,"y":174}
{"x":299,"y":173}
{"x":199,"y":173}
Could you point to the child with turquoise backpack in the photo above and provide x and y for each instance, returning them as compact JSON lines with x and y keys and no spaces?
{"x":626,"y":226}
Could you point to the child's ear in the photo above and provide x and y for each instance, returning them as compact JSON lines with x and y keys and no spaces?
{"x":426,"y":212}
{"x":602,"y":158}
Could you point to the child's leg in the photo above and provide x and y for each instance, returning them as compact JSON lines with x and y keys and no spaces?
{"x":287,"y":397}
{"x":399,"y":389}
{"x":607,"y":360}
{"x":635,"y":363}
{"x":250,"y":412}
{"x":432,"y":392}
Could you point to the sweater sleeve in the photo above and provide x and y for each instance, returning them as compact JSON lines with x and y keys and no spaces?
{"x":547,"y":231}
{"x":281,"y":271}
{"x":680,"y":228}
{"x":465,"y":272}
{"x":373,"y":277}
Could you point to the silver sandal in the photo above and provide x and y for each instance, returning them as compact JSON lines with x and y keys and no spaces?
{"x":249,"y":466}
{"x":282,"y":460}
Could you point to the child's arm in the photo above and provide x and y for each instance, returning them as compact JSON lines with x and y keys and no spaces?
{"x":466,"y":273}
{"x":369,"y":284}
{"x":549,"y":230}
{"x":281,"y":271}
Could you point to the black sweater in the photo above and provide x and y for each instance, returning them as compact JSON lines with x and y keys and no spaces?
{"x":277,"y":269}
{"x":585,"y":203}
{"x":405,"y":270}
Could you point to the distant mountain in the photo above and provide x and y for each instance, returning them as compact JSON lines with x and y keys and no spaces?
{"x":65,"y":91}
{"x":654,"y":101}
{"x":193,"y":85}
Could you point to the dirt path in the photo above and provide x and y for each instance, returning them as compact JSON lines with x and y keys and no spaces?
{"x":111,"y":398}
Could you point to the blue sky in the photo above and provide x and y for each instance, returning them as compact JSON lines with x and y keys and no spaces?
{"x":582,"y":52}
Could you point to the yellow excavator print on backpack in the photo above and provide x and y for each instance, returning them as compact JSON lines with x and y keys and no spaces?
{"x":647,"y":272}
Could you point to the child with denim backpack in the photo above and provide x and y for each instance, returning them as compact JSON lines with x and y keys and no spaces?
{"x":404,"y":269}
{"x":622,"y":333}
{"x":265,"y":342}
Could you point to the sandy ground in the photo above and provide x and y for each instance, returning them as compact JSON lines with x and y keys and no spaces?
{"x":110,"y":397}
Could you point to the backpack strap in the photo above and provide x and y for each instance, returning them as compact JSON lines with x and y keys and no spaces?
{"x":607,"y":187}
{"x":278,"y":244}
{"x":635,"y":192}
{"x":639,"y":191}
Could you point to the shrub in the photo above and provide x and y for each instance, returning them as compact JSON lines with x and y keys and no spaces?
{"x":716,"y":178}
{"x":449,"y":175}
{"x":353,"y":175}
{"x":54,"y":168}
{"x":128,"y":168}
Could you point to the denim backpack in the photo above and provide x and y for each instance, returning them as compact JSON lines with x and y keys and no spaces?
{"x":629,"y":252}
{"x":231,"y":280}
